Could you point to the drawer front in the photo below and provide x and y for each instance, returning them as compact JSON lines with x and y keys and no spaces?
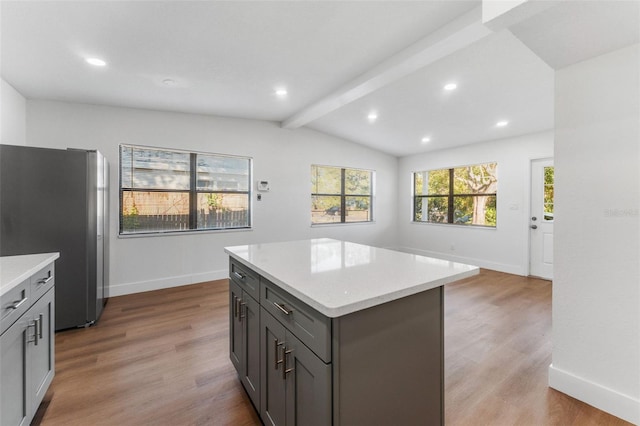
{"x":14,"y":304}
{"x":245,"y":278}
{"x":308,"y":325}
{"x":42,"y":281}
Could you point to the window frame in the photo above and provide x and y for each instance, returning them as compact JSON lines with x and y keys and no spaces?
{"x":450,"y":197}
{"x":343,"y":195}
{"x":192,"y":192}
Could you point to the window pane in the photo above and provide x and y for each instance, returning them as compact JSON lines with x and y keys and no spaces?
{"x":436,"y":209}
{"x":478,"y":179}
{"x":417,"y":212}
{"x":154,"y":211}
{"x":218,"y":173}
{"x":548,"y":193}
{"x":154,"y":169}
{"x":126,"y":166}
{"x":475,"y":210}
{"x":325,"y":209}
{"x":325,"y":180}
{"x":357,"y":182}
{"x":418,"y":181}
{"x":358,"y":209}
{"x":218,"y":210}
{"x":438,"y":182}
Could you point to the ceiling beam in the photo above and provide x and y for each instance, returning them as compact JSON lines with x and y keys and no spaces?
{"x":456,"y":35}
{"x":501,"y":14}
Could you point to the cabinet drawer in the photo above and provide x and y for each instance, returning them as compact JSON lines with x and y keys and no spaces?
{"x":42,"y":281}
{"x":245,"y":278}
{"x":307,"y":324}
{"x":14,"y":304}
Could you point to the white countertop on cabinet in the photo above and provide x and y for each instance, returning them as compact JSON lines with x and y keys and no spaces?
{"x":337,"y":277}
{"x":15,"y":269}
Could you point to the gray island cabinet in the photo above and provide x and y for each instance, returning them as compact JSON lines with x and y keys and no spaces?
{"x":27,"y":328}
{"x":328,"y":332}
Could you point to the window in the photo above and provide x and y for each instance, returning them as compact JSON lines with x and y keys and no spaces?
{"x":165,"y":190}
{"x":548,"y":194}
{"x":461,"y":195}
{"x":340,"y":195}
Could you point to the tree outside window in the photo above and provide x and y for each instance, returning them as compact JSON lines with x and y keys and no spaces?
{"x":462,"y":195}
{"x":340,"y":195}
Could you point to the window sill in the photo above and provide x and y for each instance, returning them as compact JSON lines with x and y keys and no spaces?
{"x":179,"y":233}
{"x":455,"y":225}
{"x":323,"y":225}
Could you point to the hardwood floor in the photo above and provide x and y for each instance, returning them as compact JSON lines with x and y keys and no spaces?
{"x":161,"y":358}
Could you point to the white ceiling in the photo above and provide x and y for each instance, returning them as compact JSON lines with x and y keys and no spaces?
{"x":338,"y":61}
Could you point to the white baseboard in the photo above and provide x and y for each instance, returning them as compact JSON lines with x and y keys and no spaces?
{"x":141,"y":286}
{"x":603,"y":398}
{"x":494,"y":266}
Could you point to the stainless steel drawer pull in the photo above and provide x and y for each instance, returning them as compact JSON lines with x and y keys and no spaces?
{"x":40,"y":325}
{"x":234,"y":307}
{"x":17,"y":304}
{"x":285,"y":370}
{"x":35,"y":331}
{"x":45,"y":280}
{"x":239,"y":275}
{"x":276,"y":345}
{"x":283,"y":308}
{"x":238,"y":302}
{"x":243,"y":315}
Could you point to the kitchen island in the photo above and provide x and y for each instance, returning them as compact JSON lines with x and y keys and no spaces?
{"x":27,"y":342}
{"x":331,"y":332}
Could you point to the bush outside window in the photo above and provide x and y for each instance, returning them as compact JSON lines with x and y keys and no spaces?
{"x":341,"y":195}
{"x":461,"y":195}
{"x":164,"y":190}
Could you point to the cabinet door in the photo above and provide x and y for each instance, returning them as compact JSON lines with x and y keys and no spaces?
{"x":308,"y":389}
{"x":272,"y":383}
{"x":250,"y":371}
{"x":41,"y":347}
{"x":14,"y":405}
{"x":235,"y":327}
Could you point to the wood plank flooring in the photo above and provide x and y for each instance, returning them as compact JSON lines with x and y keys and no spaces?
{"x":161,"y":358}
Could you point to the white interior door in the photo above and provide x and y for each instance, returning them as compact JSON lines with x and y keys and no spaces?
{"x":541,"y":219}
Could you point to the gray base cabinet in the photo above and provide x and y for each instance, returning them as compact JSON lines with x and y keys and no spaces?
{"x":295,"y":383}
{"x":27,"y":362}
{"x":379,"y":366}
{"x":244,"y":331}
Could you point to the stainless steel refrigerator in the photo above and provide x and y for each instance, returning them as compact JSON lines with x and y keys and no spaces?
{"x":54,"y":200}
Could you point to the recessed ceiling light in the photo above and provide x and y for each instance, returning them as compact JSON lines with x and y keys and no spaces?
{"x":169,"y":82}
{"x":502,"y":123}
{"x":372,"y":117}
{"x":96,"y":62}
{"x":426,"y":139}
{"x":450,"y":86}
{"x":281,"y":93}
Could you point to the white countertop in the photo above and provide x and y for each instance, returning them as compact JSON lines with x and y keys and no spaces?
{"x":337,"y":277}
{"x":15,"y":269}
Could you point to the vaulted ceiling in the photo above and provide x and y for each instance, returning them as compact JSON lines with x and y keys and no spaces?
{"x":339,"y":62}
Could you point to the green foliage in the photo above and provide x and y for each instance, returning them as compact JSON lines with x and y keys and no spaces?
{"x":214,"y":201}
{"x":357,"y":182}
{"x":326,"y":188}
{"x":130,"y":219}
{"x":548,"y":189}
{"x":470,"y":207}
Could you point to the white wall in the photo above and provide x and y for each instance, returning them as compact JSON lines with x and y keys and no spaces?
{"x":503,"y":248}
{"x":596,"y":291}
{"x":281,"y":156}
{"x":12,"y":115}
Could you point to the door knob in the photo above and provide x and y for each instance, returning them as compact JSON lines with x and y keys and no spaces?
{"x":534,"y":226}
